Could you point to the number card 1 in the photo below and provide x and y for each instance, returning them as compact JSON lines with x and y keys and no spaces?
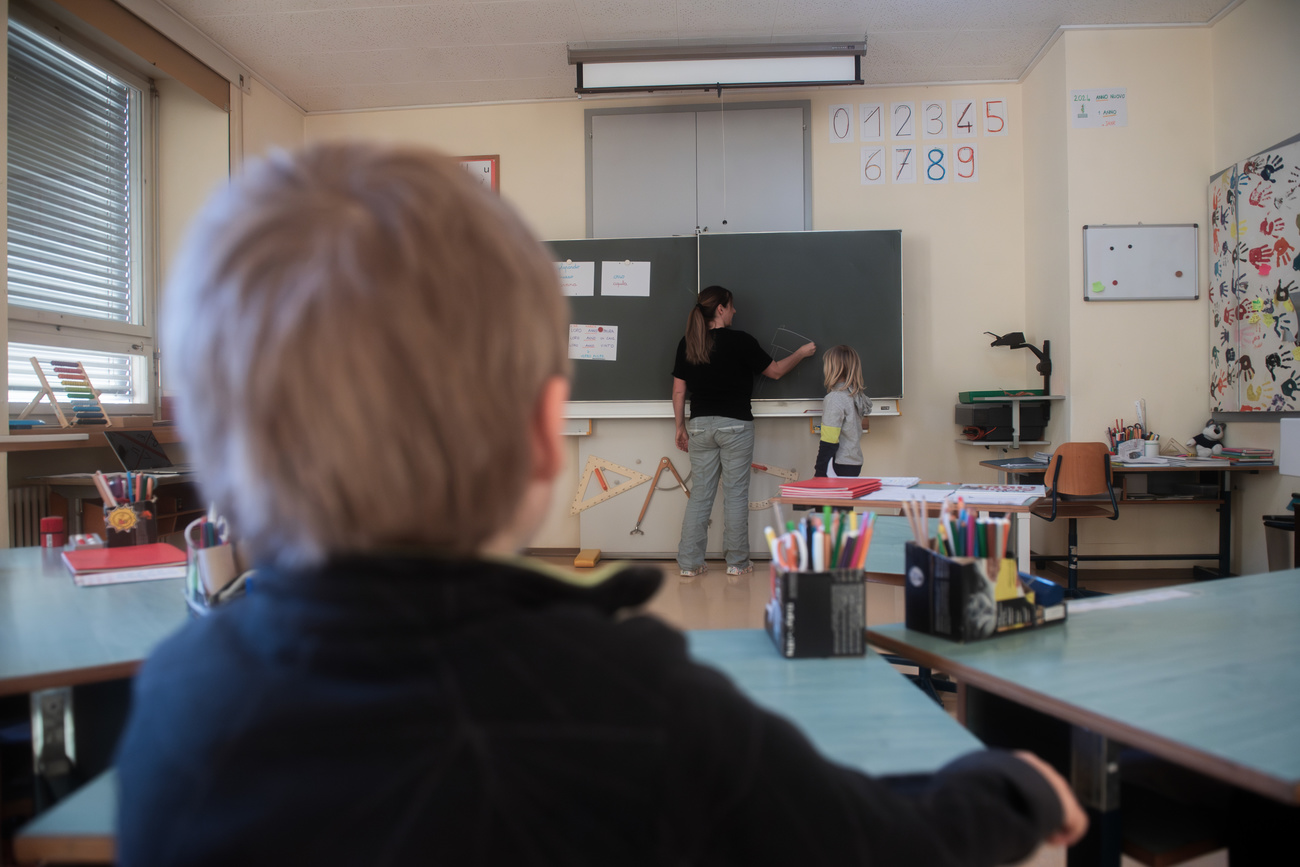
{"x":871,"y":121}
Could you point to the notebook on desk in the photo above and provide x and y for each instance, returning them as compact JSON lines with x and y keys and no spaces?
{"x":139,"y":451}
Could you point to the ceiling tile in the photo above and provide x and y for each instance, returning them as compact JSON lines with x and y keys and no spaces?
{"x":988,"y":47}
{"x":905,"y":48}
{"x":534,"y":21}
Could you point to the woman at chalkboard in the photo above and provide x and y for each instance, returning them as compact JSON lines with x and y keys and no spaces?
{"x":717,"y":365}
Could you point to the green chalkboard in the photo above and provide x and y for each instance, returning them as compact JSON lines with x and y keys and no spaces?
{"x":828,"y":287}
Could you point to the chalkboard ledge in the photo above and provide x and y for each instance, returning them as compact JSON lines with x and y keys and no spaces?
{"x":587,"y":409}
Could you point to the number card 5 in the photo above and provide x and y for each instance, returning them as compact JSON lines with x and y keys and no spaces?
{"x":995,"y":117}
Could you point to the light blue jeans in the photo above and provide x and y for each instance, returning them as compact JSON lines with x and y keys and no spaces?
{"x":720,"y":449}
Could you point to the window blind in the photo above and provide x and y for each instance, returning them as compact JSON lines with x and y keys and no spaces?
{"x":109,"y":372}
{"x":70,"y":175}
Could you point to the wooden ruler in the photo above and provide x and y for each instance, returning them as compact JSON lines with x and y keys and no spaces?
{"x":780,"y":473}
{"x":608,"y":491}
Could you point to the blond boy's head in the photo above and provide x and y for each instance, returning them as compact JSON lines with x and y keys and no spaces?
{"x":358,"y":338}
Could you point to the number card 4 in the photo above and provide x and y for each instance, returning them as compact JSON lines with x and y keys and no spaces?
{"x":964,"y":118}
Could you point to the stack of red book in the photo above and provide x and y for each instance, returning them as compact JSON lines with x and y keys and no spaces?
{"x":846,"y":489}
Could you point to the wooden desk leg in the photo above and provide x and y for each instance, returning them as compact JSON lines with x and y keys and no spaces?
{"x":1094,"y":772}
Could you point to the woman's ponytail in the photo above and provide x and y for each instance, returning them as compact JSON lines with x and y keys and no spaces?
{"x":699,"y":339}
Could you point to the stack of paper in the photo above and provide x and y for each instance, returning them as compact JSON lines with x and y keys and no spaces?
{"x":1248,"y":456}
{"x":122,"y":565}
{"x":846,"y":489}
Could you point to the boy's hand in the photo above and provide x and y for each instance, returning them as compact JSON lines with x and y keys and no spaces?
{"x":1074,"y":821}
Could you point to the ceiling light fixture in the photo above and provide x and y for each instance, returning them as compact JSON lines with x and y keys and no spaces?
{"x":627,"y":69}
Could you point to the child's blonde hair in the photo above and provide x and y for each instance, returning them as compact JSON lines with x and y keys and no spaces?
{"x":358,"y":336}
{"x":841,"y":364}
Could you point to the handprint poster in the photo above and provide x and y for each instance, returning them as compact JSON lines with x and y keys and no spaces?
{"x":1254,"y":324}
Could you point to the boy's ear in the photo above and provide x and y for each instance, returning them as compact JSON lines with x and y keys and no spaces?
{"x":547,"y":423}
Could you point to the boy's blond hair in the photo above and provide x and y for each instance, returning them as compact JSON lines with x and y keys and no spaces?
{"x":841,"y":364}
{"x":357,"y":336}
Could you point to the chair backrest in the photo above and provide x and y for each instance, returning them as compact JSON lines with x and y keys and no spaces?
{"x":1080,"y":469}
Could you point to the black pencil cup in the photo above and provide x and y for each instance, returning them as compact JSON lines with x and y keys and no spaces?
{"x":818,"y":614}
{"x":131,"y":524}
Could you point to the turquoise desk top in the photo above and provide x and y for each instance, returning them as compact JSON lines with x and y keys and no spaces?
{"x":54,"y":633}
{"x":859,"y":712}
{"x":887,"y":539}
{"x":1209,"y":679}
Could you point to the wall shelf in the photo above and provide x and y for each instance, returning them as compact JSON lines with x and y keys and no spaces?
{"x":1015,"y":442}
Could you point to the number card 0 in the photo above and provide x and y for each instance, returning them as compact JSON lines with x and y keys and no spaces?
{"x":841,"y":123}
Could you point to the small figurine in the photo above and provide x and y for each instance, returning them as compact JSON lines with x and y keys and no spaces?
{"x":1210,"y":440}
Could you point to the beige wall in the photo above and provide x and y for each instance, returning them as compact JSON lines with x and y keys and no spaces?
{"x":1255,"y":61}
{"x":963,"y":258}
{"x":268,"y":122}
{"x":193,"y":161}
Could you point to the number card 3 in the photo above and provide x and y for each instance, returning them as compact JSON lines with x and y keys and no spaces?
{"x":934,"y":119}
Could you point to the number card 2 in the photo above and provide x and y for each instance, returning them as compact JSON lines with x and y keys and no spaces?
{"x":871,"y":121}
{"x":964,"y":118}
{"x":841,"y":123}
{"x":873,"y":165}
{"x":902,"y":120}
{"x":966,"y":168}
{"x":904,"y":170}
{"x":934,"y":163}
{"x":934,"y":119}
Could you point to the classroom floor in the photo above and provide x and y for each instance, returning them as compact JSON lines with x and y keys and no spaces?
{"x":711,"y":601}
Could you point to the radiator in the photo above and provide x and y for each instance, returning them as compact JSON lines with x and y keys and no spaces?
{"x":27,"y":505}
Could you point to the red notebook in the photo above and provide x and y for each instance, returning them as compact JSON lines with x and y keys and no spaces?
{"x":837,"y":488}
{"x":129,"y":563}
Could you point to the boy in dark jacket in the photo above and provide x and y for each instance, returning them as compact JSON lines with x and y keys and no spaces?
{"x":370,"y":358}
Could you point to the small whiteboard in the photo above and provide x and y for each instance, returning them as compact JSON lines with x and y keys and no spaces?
{"x":1140,"y":263}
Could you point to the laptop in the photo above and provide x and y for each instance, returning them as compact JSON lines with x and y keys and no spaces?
{"x":140,"y":452}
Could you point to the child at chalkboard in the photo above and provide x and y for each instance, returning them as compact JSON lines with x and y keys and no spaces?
{"x":842,"y":410}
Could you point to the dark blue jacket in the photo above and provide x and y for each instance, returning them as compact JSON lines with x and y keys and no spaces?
{"x":409,"y":710}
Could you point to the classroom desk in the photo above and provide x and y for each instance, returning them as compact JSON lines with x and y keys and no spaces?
{"x":1019,"y":510}
{"x":1204,"y":679}
{"x":54,"y":633}
{"x":1125,"y":475}
{"x":860,"y":712}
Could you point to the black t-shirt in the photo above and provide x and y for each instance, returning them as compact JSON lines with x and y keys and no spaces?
{"x":724,"y":385}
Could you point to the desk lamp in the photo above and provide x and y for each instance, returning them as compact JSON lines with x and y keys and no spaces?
{"x":1016,"y":340}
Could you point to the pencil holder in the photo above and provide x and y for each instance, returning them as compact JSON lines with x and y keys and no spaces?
{"x":968,"y":598}
{"x":817,"y":614}
{"x":131,"y":524}
{"x":213,"y":574}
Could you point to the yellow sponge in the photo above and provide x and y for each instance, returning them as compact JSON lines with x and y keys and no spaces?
{"x":587,"y":557}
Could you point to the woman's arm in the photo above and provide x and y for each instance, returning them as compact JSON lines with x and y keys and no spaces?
{"x":778,"y":369}
{"x":679,"y":412}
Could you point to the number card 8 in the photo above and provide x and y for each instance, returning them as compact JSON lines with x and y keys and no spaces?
{"x":934,"y":163}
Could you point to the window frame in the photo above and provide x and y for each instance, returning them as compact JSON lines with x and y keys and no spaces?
{"x":137,"y":338}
